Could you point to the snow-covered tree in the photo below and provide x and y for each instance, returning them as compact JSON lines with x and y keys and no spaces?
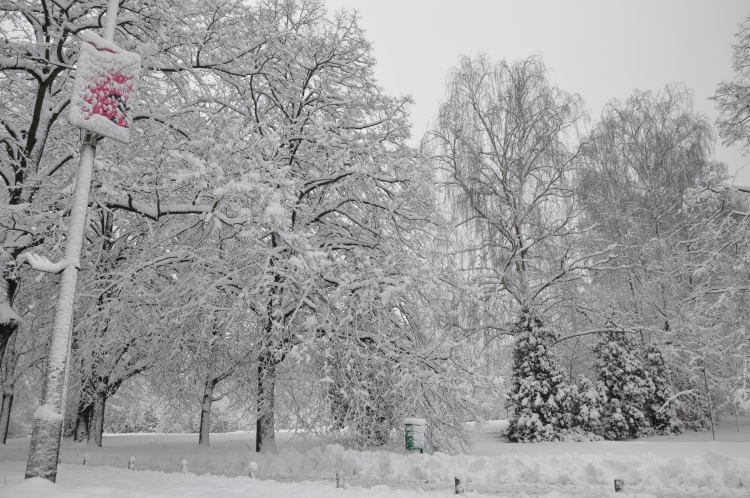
{"x":540,"y":399}
{"x":39,"y":147}
{"x":508,"y":178}
{"x":342,"y":194}
{"x":648,"y":183}
{"x":623,"y":384}
{"x":659,"y":411}
{"x":588,"y":407}
{"x":733,"y":97}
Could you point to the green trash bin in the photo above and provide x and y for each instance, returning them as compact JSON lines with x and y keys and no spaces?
{"x":414,"y":434}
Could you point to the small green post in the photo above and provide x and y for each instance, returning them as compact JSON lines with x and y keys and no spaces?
{"x":414,"y":434}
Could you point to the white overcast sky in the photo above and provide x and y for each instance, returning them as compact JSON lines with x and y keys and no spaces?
{"x":600,"y":49}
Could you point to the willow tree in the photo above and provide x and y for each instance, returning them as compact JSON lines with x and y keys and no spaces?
{"x":503,"y":146}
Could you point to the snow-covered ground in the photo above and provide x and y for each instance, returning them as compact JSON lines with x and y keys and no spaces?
{"x":690,"y":465}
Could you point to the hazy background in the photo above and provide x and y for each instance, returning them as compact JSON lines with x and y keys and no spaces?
{"x":601,"y":49}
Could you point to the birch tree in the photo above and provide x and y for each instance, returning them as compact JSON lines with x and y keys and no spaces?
{"x":648,"y":182}
{"x":504,"y":147}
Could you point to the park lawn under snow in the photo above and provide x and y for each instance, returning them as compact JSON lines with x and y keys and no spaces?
{"x":689,"y":465}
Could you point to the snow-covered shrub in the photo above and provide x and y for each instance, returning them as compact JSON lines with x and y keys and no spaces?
{"x":540,"y":402}
{"x":623,"y":385}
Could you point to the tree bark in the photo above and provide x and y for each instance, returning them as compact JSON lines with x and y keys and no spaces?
{"x":83,"y":421}
{"x":96,"y":428}
{"x":710,"y":407}
{"x":8,"y":363}
{"x":5,"y":416}
{"x":265,"y":431}
{"x":9,"y":320}
{"x":208,"y":393}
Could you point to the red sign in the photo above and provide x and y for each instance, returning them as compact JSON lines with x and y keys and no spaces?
{"x":104,"y":89}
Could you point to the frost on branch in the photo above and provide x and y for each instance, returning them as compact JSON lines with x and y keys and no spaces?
{"x":104,"y":88}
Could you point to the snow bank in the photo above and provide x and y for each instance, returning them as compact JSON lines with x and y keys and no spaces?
{"x":689,"y":466}
{"x":75,"y":481}
{"x":710,"y":470}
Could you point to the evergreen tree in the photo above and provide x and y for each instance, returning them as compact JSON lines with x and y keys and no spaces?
{"x":624,"y":386}
{"x":540,"y":400}
{"x":587,"y":412}
{"x":661,"y":416}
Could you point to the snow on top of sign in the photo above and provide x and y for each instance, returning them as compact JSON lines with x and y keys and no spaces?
{"x":101,"y":44}
{"x":415,"y":421}
{"x":104,"y":88}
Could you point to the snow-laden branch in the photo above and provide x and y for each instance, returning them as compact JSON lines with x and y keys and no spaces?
{"x":59,"y":163}
{"x":671,"y":398}
{"x":18,"y":64}
{"x":40,"y":263}
{"x":156,"y":211}
{"x":593,"y":331}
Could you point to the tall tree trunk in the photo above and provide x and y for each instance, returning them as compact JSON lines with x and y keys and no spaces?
{"x":83,"y":421}
{"x":5,"y":416}
{"x":208,"y":398}
{"x":264,"y":433}
{"x":8,"y":364}
{"x":9,"y":319}
{"x":710,"y":406}
{"x":96,"y":428}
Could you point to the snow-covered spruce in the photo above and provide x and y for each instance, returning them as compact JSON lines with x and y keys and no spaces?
{"x":661,"y":413}
{"x":588,"y":408}
{"x":540,"y":400}
{"x":623,"y":385}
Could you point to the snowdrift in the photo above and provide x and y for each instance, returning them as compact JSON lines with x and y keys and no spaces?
{"x":710,"y":470}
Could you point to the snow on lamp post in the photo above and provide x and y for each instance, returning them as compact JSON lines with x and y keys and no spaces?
{"x":105,"y":86}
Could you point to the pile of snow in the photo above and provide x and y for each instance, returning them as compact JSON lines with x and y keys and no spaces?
{"x":75,"y":481}
{"x":689,"y":465}
{"x":709,"y":470}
